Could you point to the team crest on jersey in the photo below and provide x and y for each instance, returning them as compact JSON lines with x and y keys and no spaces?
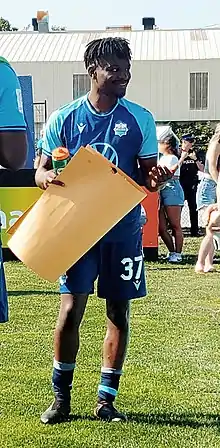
{"x":120,"y":129}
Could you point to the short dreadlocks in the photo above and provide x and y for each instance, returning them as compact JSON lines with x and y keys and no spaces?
{"x":99,"y":50}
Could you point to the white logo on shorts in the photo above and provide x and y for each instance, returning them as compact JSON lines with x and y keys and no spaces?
{"x":137,"y":284}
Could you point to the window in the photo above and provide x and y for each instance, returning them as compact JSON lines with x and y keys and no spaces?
{"x":81,"y":85}
{"x":196,"y":35}
{"x":199,"y":91}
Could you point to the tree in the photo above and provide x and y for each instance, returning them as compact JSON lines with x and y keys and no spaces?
{"x":6,"y":26}
{"x":203,"y":132}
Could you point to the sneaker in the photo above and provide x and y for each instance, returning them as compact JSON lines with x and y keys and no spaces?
{"x":169,"y":254}
{"x":179,"y":257}
{"x":58,"y":412}
{"x":172,"y":258}
{"x":175,"y":258}
{"x":106,"y":411}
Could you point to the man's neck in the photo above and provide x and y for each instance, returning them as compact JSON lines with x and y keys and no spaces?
{"x":101,"y":102}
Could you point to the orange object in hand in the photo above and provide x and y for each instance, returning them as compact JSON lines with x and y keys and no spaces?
{"x":60,"y":158}
{"x":60,"y":153}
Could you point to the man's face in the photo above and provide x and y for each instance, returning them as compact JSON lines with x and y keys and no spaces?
{"x":113,"y":76}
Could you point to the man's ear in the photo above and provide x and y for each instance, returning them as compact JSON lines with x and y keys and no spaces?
{"x":91,"y":71}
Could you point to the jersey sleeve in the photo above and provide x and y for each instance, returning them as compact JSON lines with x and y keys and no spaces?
{"x":149,"y":147}
{"x":52,"y":135}
{"x":11,"y":106}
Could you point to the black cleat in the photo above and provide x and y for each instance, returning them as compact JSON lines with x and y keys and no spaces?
{"x":106,"y":411}
{"x":58,"y":412}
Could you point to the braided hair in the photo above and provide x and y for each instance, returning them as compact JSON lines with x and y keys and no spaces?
{"x":99,"y":50}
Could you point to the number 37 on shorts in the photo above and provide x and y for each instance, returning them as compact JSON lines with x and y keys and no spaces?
{"x":133,"y":270}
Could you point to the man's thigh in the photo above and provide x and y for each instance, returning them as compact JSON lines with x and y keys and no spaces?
{"x":122,"y":274}
{"x":80,"y":278}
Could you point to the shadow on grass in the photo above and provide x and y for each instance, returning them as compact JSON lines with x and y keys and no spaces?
{"x":31,"y":293}
{"x":195,"y":421}
{"x":188,"y":259}
{"x":192,"y":420}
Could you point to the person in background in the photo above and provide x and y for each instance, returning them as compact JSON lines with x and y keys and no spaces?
{"x":206,"y":196}
{"x":13,"y":145}
{"x":38,"y":152}
{"x":171,"y":198}
{"x":189,"y":180}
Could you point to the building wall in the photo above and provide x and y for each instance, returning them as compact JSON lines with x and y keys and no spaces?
{"x":161,"y":86}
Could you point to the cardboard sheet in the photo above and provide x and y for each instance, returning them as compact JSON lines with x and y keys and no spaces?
{"x":67,"y":221}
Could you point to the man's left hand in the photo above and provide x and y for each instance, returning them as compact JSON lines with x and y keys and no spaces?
{"x":158,"y":177}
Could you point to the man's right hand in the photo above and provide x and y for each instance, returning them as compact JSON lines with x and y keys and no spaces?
{"x":49,"y":178}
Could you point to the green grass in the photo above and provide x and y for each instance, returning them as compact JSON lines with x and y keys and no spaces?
{"x":170,"y":389}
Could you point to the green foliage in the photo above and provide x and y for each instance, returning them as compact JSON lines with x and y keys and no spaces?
{"x":6,"y":26}
{"x":203,"y":132}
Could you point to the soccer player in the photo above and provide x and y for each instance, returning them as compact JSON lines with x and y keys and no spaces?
{"x":125,"y":133}
{"x":13,"y":145}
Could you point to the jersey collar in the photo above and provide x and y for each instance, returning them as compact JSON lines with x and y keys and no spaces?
{"x":99,"y":114}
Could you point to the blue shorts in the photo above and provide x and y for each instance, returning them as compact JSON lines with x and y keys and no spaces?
{"x":206,"y":193}
{"x":172,"y":193}
{"x":119,"y":267}
{"x":3,"y":293}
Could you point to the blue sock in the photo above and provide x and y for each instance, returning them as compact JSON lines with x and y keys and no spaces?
{"x":62,"y":379}
{"x":109,"y":384}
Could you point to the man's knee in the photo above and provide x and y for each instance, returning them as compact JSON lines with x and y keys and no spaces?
{"x":71,"y":310}
{"x":119,"y":314}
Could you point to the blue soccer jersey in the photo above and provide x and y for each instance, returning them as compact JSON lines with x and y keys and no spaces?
{"x":123,"y":135}
{"x":11,"y":108}
{"x":11,"y":118}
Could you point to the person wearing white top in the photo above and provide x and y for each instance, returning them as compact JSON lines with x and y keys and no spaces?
{"x":171,"y":199}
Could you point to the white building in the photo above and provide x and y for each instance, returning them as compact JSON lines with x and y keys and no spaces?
{"x":175,"y":73}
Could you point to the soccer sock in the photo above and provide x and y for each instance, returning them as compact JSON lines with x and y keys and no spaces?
{"x":109,"y":384}
{"x":62,"y":379}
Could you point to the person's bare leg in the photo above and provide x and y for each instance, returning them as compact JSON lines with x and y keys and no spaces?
{"x":116,"y":339}
{"x":205,"y":249}
{"x":164,"y":234}
{"x":209,"y":259}
{"x":174,"y":216}
{"x":66,"y":346}
{"x":66,"y":336}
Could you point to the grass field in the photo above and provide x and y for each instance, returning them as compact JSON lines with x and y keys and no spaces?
{"x":171,"y":386}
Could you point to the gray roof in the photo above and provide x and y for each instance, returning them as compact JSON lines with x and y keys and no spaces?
{"x":154,"y":45}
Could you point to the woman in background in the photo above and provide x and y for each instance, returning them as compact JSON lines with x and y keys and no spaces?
{"x":206,"y":196}
{"x":171,"y":198}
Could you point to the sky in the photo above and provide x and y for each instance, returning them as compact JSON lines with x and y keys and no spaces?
{"x":96,"y":15}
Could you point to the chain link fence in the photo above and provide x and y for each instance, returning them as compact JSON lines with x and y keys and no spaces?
{"x":185,"y":219}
